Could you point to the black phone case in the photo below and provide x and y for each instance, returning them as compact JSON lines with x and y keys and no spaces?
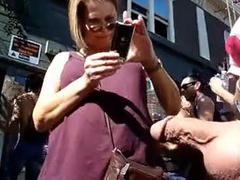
{"x":122,"y":38}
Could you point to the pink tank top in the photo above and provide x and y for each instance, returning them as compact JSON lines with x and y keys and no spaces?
{"x":80,"y":146}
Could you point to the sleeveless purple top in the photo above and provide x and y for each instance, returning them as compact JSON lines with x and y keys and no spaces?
{"x":80,"y":146}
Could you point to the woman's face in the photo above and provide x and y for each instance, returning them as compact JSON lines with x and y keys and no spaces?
{"x":100,"y":18}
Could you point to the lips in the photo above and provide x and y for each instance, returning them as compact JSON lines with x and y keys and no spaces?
{"x":104,"y":36}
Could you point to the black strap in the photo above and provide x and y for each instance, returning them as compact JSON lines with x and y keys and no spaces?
{"x":107,"y":121}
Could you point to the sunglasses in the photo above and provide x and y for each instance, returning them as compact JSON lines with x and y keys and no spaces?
{"x":186,"y":86}
{"x":99,"y":27}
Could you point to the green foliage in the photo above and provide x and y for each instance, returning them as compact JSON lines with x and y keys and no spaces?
{"x":13,"y":22}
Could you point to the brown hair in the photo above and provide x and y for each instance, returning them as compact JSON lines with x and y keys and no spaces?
{"x":76,"y":10}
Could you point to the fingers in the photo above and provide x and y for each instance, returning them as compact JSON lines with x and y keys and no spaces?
{"x":101,"y":65}
{"x":102,"y":59}
{"x":140,"y":26}
{"x":139,"y":23}
{"x":101,"y":71}
{"x":102,"y":62}
{"x":215,"y":81}
{"x":126,"y":18}
{"x":104,"y":55}
{"x":125,"y":15}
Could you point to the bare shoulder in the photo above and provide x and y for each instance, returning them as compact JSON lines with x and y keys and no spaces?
{"x":206,"y":103}
{"x":51,"y":83}
{"x":57,"y":65}
{"x":205,"y":99}
{"x":60,"y":59}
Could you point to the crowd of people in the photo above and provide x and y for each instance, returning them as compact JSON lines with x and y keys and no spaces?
{"x":59,"y":129}
{"x":24,"y":146}
{"x":216,"y":141}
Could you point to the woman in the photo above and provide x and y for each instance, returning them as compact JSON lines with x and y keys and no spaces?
{"x":81,"y":88}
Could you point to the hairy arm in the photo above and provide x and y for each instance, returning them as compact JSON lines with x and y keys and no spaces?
{"x":188,"y":131}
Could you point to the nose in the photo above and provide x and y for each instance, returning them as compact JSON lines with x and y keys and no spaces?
{"x":104,"y":29}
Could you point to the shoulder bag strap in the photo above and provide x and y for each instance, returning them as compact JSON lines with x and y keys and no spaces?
{"x":107,"y":120}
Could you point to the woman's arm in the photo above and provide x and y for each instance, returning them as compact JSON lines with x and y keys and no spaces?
{"x":141,"y":50}
{"x":53,"y":104}
{"x":165,"y":89}
{"x":216,"y":86}
{"x":235,"y":106}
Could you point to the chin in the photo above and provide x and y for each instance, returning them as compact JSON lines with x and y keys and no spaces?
{"x":100,"y":46}
{"x":106,"y":49}
{"x":103,"y":47}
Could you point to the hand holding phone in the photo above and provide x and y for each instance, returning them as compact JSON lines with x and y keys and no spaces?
{"x":122,"y":39}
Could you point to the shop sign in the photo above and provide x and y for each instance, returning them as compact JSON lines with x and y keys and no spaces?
{"x":24,"y":50}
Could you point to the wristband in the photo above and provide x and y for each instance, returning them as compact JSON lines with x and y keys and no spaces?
{"x":154,"y":69}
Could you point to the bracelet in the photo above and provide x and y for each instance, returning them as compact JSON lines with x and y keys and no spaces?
{"x":156,"y":68}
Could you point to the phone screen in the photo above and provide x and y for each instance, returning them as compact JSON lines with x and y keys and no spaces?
{"x":122,"y":38}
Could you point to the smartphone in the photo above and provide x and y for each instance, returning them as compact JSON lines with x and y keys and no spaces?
{"x":122,"y":38}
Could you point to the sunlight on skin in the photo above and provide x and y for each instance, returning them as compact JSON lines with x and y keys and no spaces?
{"x":218,"y":142}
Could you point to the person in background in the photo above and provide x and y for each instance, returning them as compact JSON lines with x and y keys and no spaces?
{"x":181,"y":161}
{"x":225,"y":88}
{"x":225,"y":95}
{"x":30,"y":149}
{"x":217,"y":141}
{"x":81,"y":89}
{"x":217,"y":87}
{"x":203,"y":106}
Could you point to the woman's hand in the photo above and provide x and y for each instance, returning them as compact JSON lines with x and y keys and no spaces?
{"x":141,"y":48}
{"x":101,"y":65}
{"x":215,"y":84}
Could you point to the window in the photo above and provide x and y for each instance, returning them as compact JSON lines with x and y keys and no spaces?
{"x":161,"y":26}
{"x":225,"y":64}
{"x":159,"y":10}
{"x":139,"y":10}
{"x":202,"y":34}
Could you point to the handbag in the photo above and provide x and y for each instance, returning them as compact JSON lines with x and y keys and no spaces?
{"x":122,"y":168}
